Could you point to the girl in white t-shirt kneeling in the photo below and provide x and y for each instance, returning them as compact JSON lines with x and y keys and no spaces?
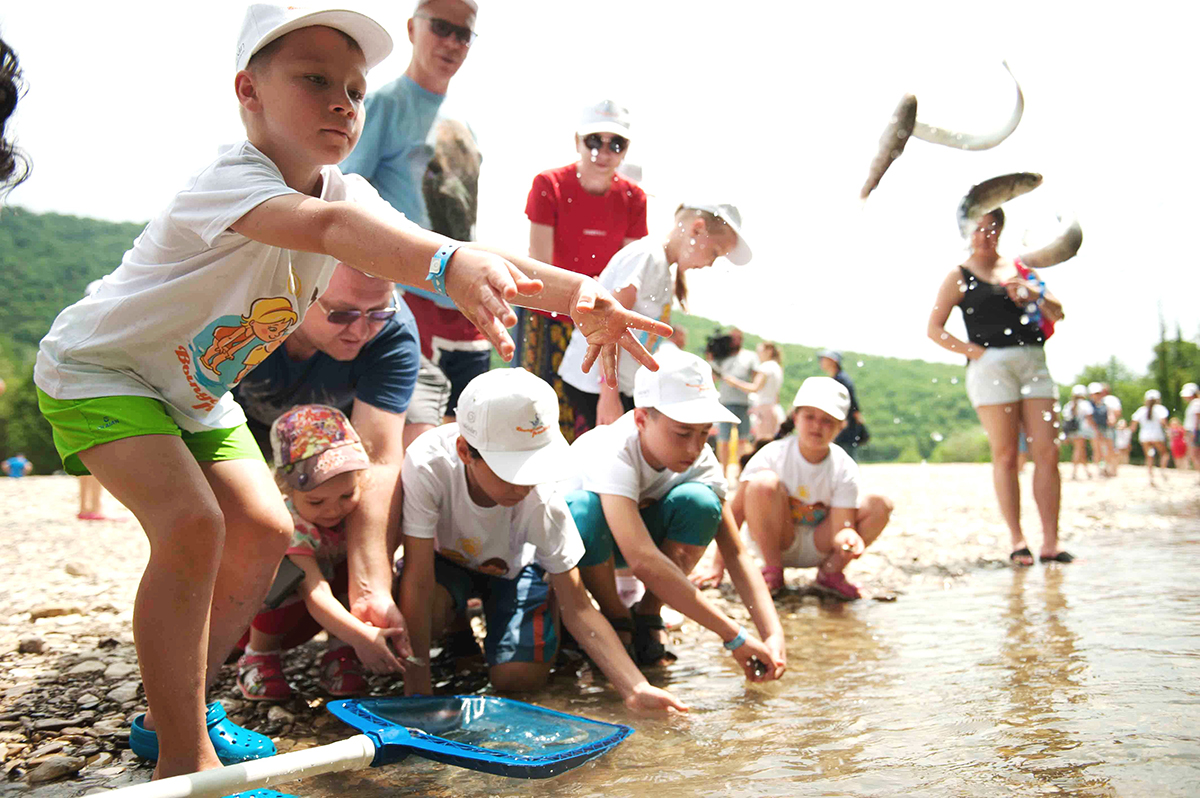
{"x":799,"y":496}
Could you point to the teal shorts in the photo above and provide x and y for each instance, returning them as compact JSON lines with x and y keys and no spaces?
{"x":81,"y":424}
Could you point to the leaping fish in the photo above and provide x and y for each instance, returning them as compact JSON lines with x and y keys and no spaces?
{"x":1060,"y":249}
{"x":985,"y":197}
{"x":892,"y":142}
{"x":969,"y":141}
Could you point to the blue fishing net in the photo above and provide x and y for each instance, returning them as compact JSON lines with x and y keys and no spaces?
{"x":486,"y":733}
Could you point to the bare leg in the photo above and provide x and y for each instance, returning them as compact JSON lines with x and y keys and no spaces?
{"x":1000,"y":422}
{"x":90,"y":497}
{"x":872,"y":516}
{"x":1047,"y":484}
{"x":768,"y":516}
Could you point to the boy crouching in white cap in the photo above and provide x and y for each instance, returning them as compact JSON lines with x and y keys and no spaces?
{"x":799,"y":495}
{"x":481,"y":518}
{"x":653,"y":487}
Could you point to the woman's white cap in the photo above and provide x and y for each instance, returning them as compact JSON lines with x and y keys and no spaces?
{"x":826,"y":394}
{"x":682,"y":389}
{"x":1152,"y":394}
{"x":266,"y":22}
{"x":1191,"y":389}
{"x":1095,"y":387}
{"x":604,"y":117}
{"x":1079,"y":390}
{"x":511,"y":417}
{"x":740,"y":254}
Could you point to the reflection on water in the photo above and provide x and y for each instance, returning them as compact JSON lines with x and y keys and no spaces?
{"x":1077,"y":680}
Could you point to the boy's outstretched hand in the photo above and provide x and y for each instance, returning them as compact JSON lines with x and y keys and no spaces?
{"x":648,"y":698}
{"x":607,"y":324}
{"x":481,"y":285}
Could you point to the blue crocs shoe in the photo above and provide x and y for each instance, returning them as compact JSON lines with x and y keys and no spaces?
{"x":261,"y":792}
{"x":232,"y":743}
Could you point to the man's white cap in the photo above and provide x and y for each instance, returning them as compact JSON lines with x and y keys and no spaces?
{"x":1152,"y":394}
{"x":1191,"y":389}
{"x":682,"y":389}
{"x":604,"y":117}
{"x":824,"y":393}
{"x":264,"y":23}
{"x":1079,"y":390}
{"x":740,"y":254}
{"x":1095,"y":387}
{"x":511,"y":417}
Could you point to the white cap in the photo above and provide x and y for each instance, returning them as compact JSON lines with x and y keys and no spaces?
{"x":1191,"y":389}
{"x":740,"y":254}
{"x":1079,"y":390}
{"x":604,"y":117}
{"x":824,"y":393}
{"x":1095,"y":387}
{"x":264,"y":23}
{"x":682,"y":389}
{"x":511,"y":417}
{"x":1152,"y":394}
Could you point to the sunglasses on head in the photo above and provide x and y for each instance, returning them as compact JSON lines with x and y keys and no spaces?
{"x":444,"y":29}
{"x":616,"y":144}
{"x":344,"y":317}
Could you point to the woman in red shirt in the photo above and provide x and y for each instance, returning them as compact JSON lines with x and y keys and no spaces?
{"x":579,"y":216}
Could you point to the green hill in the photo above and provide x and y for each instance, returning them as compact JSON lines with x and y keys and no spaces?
{"x":46,"y":261}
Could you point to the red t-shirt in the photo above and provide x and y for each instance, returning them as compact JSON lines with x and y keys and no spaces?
{"x":588,"y":228}
{"x":448,"y":323}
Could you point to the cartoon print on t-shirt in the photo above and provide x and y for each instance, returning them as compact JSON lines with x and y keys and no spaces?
{"x":803,"y":512}
{"x":225,"y":344}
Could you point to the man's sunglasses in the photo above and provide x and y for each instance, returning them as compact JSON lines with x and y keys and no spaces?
{"x":344,"y":317}
{"x":616,"y":144}
{"x":444,"y":29}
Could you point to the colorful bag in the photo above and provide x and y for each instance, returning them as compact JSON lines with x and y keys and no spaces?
{"x":1035,"y":315}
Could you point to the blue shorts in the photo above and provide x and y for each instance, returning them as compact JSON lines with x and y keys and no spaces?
{"x":520,"y":625}
{"x":460,"y":367}
{"x":689,"y":513}
{"x":743,"y":427}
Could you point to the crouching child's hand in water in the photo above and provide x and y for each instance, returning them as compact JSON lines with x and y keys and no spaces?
{"x":648,"y":698}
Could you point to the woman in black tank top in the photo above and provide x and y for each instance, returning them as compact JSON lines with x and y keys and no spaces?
{"x":1007,"y":378}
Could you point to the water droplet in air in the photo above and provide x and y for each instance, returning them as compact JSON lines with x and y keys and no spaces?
{"x":945,"y":336}
{"x":935,"y":379}
{"x":970,"y":311}
{"x":1008,"y":410}
{"x":954,"y":380}
{"x":860,"y":364}
{"x":1047,"y":415}
{"x":1024,"y":318}
{"x":937,"y":436}
{"x":895,"y":421}
{"x":1008,"y":330}
{"x":1026,"y":390}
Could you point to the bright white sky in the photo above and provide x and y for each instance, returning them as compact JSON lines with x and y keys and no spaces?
{"x":775,"y":106}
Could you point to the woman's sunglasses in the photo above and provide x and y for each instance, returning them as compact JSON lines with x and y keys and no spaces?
{"x":616,"y":144}
{"x":444,"y":29}
{"x":344,"y":317}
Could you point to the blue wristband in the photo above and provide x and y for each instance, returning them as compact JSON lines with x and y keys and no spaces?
{"x":737,"y":641}
{"x":437,"y":266}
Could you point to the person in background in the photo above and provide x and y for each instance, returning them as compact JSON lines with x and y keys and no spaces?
{"x":850,"y":438}
{"x":766,"y":415}
{"x":1079,"y":427}
{"x":1114,"y":417}
{"x":740,"y":364}
{"x":1101,"y":441}
{"x":1177,"y":440}
{"x":580,"y":215}
{"x":1191,"y":422}
{"x":16,"y":466}
{"x":1123,"y":442}
{"x":1149,"y":421}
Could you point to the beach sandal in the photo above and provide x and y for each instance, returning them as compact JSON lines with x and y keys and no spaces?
{"x":232,"y":743}
{"x":342,"y":673}
{"x":1022,"y":557}
{"x":1062,"y":556}
{"x":647,"y":648}
{"x":261,"y":792}
{"x":260,"y":677}
{"x":773,"y":576}
{"x":835,"y":584}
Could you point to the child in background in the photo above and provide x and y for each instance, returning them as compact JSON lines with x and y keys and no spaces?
{"x":320,"y":466}
{"x":1191,"y":423}
{"x":124,"y":380}
{"x":650,"y":485}
{"x":799,"y":495}
{"x":481,"y":518}
{"x":1148,"y":420}
{"x":1123,"y":442}
{"x":1178,"y":443}
{"x":1079,"y":427}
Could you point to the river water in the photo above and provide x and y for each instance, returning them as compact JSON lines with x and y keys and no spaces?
{"x":1054,"y":680}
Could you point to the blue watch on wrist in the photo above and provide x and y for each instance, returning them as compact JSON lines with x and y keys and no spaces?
{"x":737,"y":641}
{"x":437,"y":266}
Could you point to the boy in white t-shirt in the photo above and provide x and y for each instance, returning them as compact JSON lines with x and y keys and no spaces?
{"x":651,"y":495}
{"x":799,"y":495}
{"x":135,"y":378}
{"x":1150,"y":422}
{"x":481,"y":518}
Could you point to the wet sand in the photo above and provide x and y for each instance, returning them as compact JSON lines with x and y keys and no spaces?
{"x":69,"y":683}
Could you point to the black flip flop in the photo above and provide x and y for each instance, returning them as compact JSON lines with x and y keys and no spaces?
{"x":1022,"y":552}
{"x":1062,"y":556}
{"x":646,"y":646}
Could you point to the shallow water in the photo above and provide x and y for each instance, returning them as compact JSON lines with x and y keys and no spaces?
{"x":1079,"y":680}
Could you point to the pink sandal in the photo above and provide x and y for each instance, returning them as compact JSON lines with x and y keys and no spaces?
{"x":773,"y":576}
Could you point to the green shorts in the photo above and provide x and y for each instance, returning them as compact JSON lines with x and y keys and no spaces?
{"x":80,"y":424}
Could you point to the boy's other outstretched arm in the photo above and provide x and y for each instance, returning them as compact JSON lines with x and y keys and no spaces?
{"x":752,"y":589}
{"x":416,"y":589}
{"x":601,"y":643}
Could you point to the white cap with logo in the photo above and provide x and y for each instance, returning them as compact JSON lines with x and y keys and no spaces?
{"x":511,"y":417}
{"x":740,"y":254}
{"x":604,"y":117}
{"x":826,"y":394}
{"x":682,"y":389}
{"x":266,"y":22}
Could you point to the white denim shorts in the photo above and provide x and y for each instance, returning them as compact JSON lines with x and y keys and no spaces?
{"x":1005,"y":375}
